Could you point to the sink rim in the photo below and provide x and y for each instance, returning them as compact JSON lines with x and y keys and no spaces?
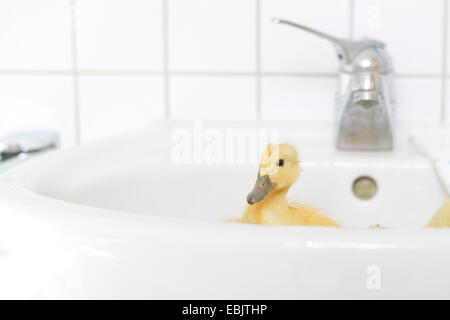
{"x":14,"y":193}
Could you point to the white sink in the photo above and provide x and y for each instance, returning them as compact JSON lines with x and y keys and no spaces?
{"x":119,"y":219}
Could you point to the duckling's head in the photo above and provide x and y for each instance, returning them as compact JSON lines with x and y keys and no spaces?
{"x":278,"y":170}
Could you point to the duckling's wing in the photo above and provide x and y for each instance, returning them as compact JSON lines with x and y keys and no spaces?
{"x":306,"y":215}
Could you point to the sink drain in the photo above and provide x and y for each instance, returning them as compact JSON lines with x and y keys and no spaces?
{"x":364,"y":188}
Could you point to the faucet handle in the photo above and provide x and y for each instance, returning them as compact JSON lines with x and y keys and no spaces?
{"x":346,"y":49}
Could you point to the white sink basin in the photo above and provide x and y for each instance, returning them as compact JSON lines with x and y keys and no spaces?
{"x":119,"y":219}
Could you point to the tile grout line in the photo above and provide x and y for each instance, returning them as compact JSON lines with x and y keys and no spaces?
{"x":37,"y":72}
{"x":165,"y":22}
{"x":258,"y":59}
{"x":126,"y":73}
{"x":75,"y":75}
{"x":418,"y":75}
{"x":444,"y":65}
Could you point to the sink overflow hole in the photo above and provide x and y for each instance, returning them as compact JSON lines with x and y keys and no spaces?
{"x":364,"y":188}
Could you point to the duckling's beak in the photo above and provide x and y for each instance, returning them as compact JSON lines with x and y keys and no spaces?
{"x":262,"y":187}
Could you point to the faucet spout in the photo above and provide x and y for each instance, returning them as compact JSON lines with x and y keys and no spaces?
{"x":365,"y":121}
{"x":365,"y":129}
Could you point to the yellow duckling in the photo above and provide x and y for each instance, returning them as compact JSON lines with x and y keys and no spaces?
{"x":267,"y":204}
{"x":442,"y":217}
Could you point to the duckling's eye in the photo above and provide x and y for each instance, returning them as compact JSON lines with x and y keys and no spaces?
{"x":280,"y":163}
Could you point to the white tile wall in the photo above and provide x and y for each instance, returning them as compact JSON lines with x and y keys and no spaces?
{"x":91,"y":68}
{"x":213,"y":97}
{"x":112,"y":104}
{"x":418,"y":100}
{"x":35,"y":34}
{"x":32,"y":102}
{"x":298,"y":98}
{"x":212,"y":35}
{"x":119,"y":34}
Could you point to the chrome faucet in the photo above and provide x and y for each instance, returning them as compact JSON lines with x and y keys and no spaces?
{"x":20,"y":146}
{"x":365,"y":94}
